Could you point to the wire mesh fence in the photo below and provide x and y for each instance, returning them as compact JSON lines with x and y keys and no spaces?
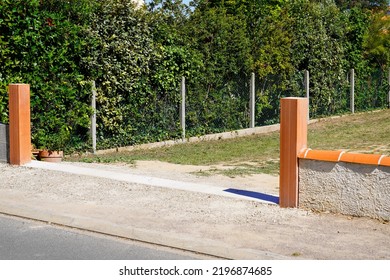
{"x":220,"y":106}
{"x":225,"y":106}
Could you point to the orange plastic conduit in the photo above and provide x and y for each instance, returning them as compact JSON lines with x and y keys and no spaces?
{"x":340,"y":156}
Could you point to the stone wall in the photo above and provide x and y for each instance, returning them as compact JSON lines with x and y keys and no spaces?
{"x":351,"y":188}
{"x":4,"y":143}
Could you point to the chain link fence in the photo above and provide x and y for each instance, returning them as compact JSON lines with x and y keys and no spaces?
{"x":225,"y":106}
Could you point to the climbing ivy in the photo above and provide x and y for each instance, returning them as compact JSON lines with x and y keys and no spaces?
{"x":137,"y":56}
{"x":42,"y":48}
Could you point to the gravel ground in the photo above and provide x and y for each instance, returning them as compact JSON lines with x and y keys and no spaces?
{"x":294,"y":233}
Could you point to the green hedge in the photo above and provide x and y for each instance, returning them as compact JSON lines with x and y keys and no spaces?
{"x":43,"y":48}
{"x":138,"y":56}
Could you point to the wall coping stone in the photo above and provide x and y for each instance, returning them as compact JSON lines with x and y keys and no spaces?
{"x":342,"y":156}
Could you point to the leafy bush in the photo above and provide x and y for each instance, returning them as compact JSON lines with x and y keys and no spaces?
{"x":42,"y":48}
{"x":137,"y":57}
{"x":218,"y":96}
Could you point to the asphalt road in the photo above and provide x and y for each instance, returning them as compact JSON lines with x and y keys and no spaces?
{"x":22,"y":239}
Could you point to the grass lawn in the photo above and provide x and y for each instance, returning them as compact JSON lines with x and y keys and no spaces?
{"x":365,"y":133}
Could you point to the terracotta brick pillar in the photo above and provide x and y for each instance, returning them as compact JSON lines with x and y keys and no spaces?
{"x":293,"y":138}
{"x":19,"y":124}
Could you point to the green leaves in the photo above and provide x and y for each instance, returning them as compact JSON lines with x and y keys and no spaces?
{"x":218,"y":93}
{"x":42,"y":48}
{"x":119,"y":60}
{"x":377,"y":40}
{"x":137,"y":57}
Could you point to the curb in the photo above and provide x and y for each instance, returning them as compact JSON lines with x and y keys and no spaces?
{"x":208,"y":137}
{"x":138,"y":179}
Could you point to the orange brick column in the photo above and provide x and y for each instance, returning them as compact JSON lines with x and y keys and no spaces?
{"x":293,"y":138}
{"x":19,"y":124}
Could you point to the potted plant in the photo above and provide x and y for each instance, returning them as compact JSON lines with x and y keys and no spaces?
{"x":52,"y":145}
{"x":34,"y":152}
{"x":50,"y":155}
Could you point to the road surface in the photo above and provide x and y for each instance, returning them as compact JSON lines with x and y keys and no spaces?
{"x":22,"y":239}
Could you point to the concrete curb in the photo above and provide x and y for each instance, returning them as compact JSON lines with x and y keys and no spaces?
{"x":208,"y":137}
{"x":137,"y":179}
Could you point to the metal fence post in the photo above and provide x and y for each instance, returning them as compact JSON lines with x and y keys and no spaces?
{"x":352,"y":85}
{"x":93,"y":117}
{"x":307,"y":92}
{"x":388,"y":95}
{"x":252,"y":101}
{"x":183,"y":108}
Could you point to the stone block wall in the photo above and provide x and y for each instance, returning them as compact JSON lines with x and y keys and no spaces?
{"x":4,"y":143}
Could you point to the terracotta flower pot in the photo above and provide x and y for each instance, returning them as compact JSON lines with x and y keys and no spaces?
{"x":51,"y":156}
{"x":35,"y":153}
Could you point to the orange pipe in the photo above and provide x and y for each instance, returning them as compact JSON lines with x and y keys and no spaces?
{"x":19,"y":124}
{"x":333,"y":156}
{"x":340,"y":156}
{"x":360,"y":158}
{"x":385,"y":161}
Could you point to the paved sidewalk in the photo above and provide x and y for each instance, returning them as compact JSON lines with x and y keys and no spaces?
{"x":197,"y":217}
{"x":155,"y":182}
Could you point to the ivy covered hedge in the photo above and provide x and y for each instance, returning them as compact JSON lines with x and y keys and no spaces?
{"x":137,"y":57}
{"x":43,"y":48}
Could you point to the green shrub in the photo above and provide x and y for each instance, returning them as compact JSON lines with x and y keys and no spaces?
{"x":138,"y":56}
{"x":42,"y":48}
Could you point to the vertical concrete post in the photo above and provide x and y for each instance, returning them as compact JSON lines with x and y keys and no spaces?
{"x":293,"y":138}
{"x":388,"y":95}
{"x":307,"y":91}
{"x":4,"y":143}
{"x":93,"y":117}
{"x":19,"y":124}
{"x":352,"y":98}
{"x":252,"y":101}
{"x":183,"y":108}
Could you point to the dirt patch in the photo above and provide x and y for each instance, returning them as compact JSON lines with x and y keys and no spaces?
{"x":265,"y":183}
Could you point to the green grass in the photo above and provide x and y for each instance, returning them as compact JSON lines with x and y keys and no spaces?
{"x":243,"y":169}
{"x":366,"y":133}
